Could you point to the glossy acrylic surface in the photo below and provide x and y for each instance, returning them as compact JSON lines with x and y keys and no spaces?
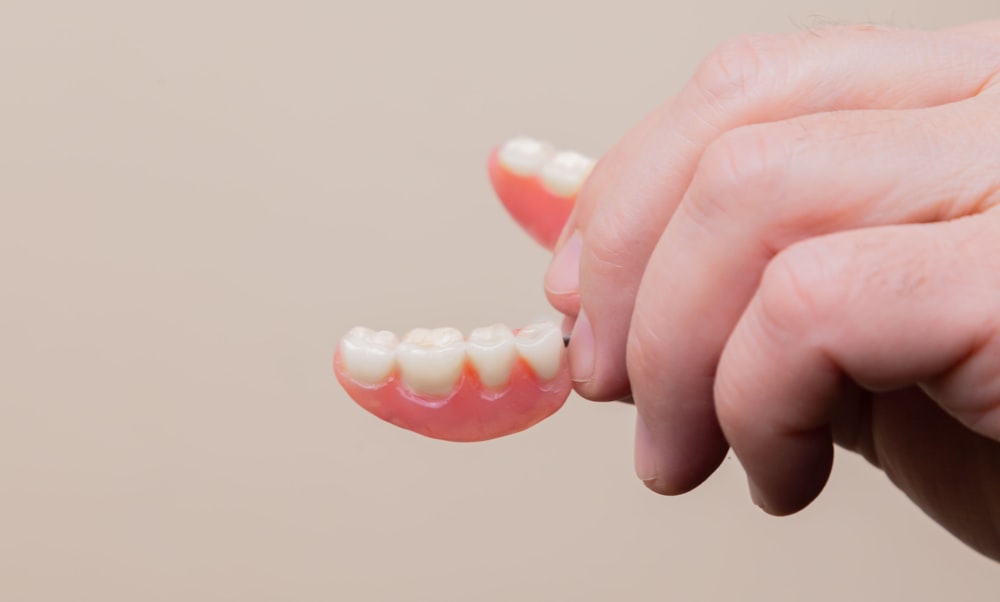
{"x":471,"y":412}
{"x":539,"y":212}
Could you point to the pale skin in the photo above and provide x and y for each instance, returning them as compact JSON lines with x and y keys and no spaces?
{"x":802,"y":248}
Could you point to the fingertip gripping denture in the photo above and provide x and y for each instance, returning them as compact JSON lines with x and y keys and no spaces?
{"x":436,"y":383}
{"x":537,"y":184}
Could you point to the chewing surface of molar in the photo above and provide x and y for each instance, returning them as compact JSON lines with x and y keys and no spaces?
{"x":369,"y":356}
{"x":431,"y":361}
{"x":565,"y":173}
{"x":541,"y":345}
{"x":560,"y":173}
{"x":525,"y":156}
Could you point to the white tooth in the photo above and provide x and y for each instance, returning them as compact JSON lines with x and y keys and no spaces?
{"x":368,"y":356}
{"x":565,"y":172}
{"x":431,"y":360}
{"x":525,"y":156}
{"x":492,"y":352}
{"x":541,"y":345}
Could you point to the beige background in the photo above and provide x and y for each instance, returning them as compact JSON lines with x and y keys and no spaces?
{"x":198,"y":198}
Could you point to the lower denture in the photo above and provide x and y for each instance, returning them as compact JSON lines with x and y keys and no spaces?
{"x":470,"y":411}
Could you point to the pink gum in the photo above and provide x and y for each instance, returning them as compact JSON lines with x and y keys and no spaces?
{"x":539,"y":212}
{"x":469,"y":413}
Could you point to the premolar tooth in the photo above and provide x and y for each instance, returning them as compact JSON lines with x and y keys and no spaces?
{"x":525,"y":156}
{"x":541,"y":345}
{"x":565,"y":172}
{"x":491,"y":350}
{"x":368,"y":356}
{"x":431,"y":361}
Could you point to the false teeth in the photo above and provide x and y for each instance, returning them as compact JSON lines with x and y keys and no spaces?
{"x":564,"y":174}
{"x":541,"y":346}
{"x":491,"y":350}
{"x":368,"y":355}
{"x":431,"y":361}
{"x":525,"y":156}
{"x":560,"y":173}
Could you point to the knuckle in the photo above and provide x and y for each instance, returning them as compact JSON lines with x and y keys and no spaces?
{"x":752,"y":65}
{"x":607,"y":226}
{"x":798,"y":289}
{"x":642,"y":350}
{"x":743,"y":164}
{"x":606,"y":245}
{"x":616,"y":236}
{"x":738,"y":68}
{"x":749,"y":156}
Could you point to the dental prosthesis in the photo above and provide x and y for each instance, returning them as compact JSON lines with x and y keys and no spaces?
{"x":538,"y":185}
{"x":497,"y":381}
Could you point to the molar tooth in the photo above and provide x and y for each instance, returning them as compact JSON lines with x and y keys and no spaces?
{"x":491,"y":350}
{"x":564,"y":173}
{"x":541,"y":345}
{"x":368,"y":356}
{"x":431,"y":361}
{"x":525,"y":156}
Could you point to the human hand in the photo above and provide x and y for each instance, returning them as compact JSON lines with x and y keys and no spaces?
{"x":802,"y":248}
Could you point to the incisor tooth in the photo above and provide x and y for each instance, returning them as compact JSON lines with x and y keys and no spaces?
{"x":431,"y":361}
{"x":491,"y":350}
{"x":368,"y":356}
{"x":565,"y":172}
{"x":525,"y":156}
{"x":541,"y":345}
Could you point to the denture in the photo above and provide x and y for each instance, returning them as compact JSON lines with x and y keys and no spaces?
{"x":435,"y":382}
{"x":538,"y":184}
{"x":496,"y":381}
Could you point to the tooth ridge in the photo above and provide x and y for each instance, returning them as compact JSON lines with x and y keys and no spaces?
{"x":431,"y":361}
{"x":540,"y":345}
{"x":368,"y":356}
{"x":565,"y":172}
{"x":525,"y":155}
{"x":493,"y":353}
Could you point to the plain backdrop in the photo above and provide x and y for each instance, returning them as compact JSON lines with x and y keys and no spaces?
{"x":197,"y":199}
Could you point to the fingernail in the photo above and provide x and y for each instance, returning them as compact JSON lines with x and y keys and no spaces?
{"x":755,"y":495}
{"x":564,"y":272}
{"x":567,"y":325}
{"x":645,"y":455}
{"x":581,"y":350}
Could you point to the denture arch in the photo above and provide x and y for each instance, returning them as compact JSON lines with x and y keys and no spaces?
{"x":496,"y":381}
{"x":439,"y":384}
{"x":538,"y":184}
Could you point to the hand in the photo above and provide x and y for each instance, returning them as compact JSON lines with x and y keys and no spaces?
{"x":801,"y":248}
